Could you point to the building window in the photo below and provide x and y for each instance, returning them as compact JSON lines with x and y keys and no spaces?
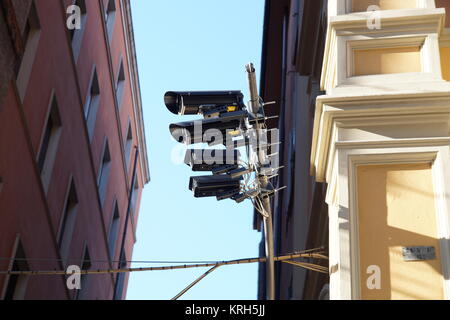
{"x":67,"y":226}
{"x":17,"y":284}
{"x":387,"y":60}
{"x":76,"y":35}
{"x":118,"y":292}
{"x":31,"y":37}
{"x":120,"y":84}
{"x":110,"y":17}
{"x":49,"y":142}
{"x":134,"y":196}
{"x":92,"y":104}
{"x":82,"y":294}
{"x":113,"y":231}
{"x":128,"y":144}
{"x":105,"y":168}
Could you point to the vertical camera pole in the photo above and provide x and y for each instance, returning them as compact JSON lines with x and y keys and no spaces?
{"x":255,"y":105}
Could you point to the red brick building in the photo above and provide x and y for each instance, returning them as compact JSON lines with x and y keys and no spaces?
{"x":70,"y":124}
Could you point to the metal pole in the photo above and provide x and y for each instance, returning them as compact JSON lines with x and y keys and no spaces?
{"x":194,"y":283}
{"x":263,"y":181}
{"x":268,"y":236}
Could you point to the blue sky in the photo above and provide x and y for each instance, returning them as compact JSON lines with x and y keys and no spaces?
{"x":192,"y":45}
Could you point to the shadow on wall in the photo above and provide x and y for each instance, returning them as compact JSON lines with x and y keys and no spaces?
{"x":396,"y":209}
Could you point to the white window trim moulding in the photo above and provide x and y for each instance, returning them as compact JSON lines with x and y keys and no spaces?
{"x":345,"y":276}
{"x":396,"y":25}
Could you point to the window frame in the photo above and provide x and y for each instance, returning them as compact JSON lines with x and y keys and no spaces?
{"x":387,"y":43}
{"x":86,"y":264}
{"x":33,"y":34}
{"x":128,"y":144}
{"x":76,"y":36}
{"x":71,"y":198}
{"x":18,"y":248}
{"x":134,"y":196}
{"x":430,"y":60}
{"x":120,"y":278}
{"x":92,"y":103}
{"x":120,"y":83}
{"x":110,"y":18}
{"x":51,"y":144}
{"x":113,"y":230}
{"x":103,"y":176}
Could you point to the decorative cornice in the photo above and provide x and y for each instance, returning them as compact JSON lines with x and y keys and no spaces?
{"x":135,"y":86}
{"x":390,"y":20}
{"x":407,"y":21}
{"x":329,"y":109}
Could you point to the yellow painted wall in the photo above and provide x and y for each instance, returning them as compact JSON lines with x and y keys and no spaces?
{"x":396,"y":209}
{"x":362,"y":5}
{"x":445,"y":63}
{"x":387,"y":60}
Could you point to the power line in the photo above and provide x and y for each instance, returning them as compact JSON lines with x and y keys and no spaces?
{"x":309,"y":266}
{"x":128,"y":261}
{"x":105,"y":261}
{"x":313,"y":254}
